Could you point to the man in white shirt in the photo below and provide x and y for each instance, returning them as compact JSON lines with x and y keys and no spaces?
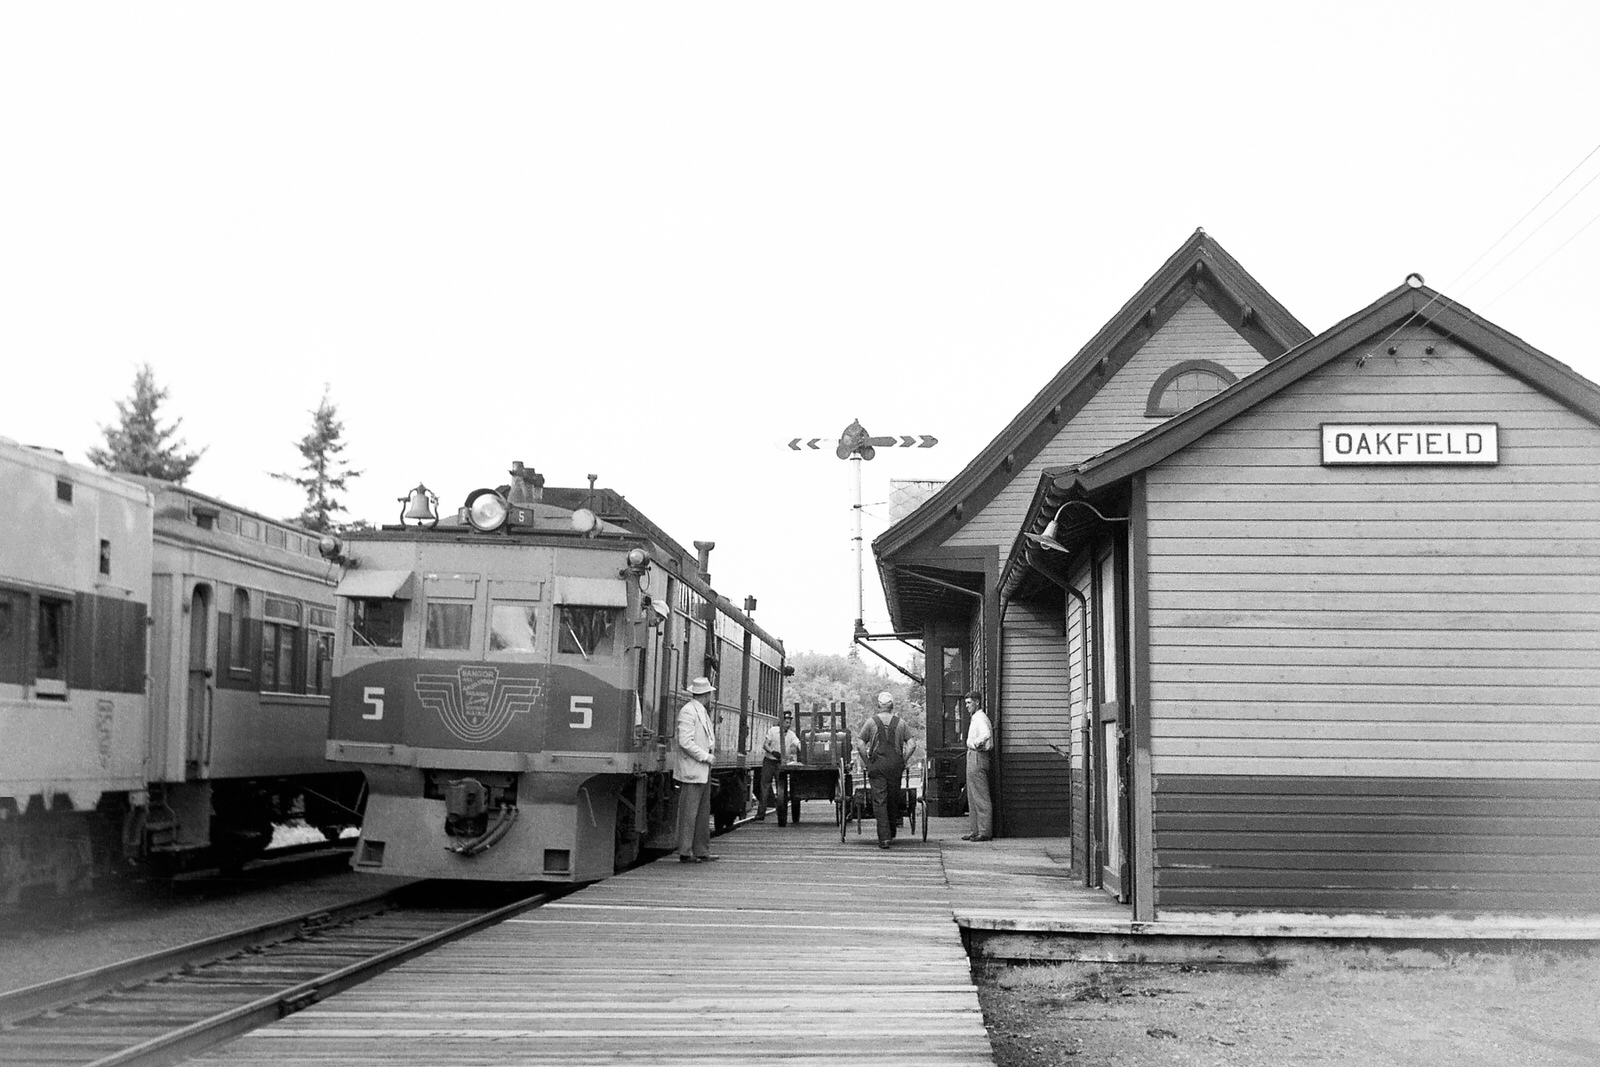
{"x":980,"y":742}
{"x":694,"y":744}
{"x":782,"y":745}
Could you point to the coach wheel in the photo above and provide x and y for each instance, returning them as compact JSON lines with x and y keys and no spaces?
{"x":794,"y":808}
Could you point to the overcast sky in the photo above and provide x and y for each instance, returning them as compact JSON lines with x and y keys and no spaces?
{"x":653,"y":242}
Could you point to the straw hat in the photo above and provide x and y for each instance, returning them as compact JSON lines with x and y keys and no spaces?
{"x":701,"y":686}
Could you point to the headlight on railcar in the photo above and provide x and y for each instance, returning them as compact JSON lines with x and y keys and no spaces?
{"x":486,"y":510}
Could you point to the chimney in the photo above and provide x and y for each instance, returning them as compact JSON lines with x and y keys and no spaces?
{"x":704,"y":548}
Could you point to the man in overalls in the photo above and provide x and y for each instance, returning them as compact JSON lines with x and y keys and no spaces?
{"x":885,"y":743}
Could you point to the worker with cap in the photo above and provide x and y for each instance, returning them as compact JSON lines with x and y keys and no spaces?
{"x":781,"y":745}
{"x":694,"y":743}
{"x":884,"y":745}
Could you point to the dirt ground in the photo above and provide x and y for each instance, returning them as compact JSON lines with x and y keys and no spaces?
{"x":1524,"y":1008}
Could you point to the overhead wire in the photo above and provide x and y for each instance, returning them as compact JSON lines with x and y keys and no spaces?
{"x":1438,"y":295}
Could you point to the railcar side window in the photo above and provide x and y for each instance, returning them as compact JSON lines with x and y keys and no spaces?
{"x":377,"y":623}
{"x":13,"y":632}
{"x":449,"y":626}
{"x":513,"y":627}
{"x":587,"y":631}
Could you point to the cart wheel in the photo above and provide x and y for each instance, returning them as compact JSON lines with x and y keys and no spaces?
{"x":841,"y":793}
{"x":794,"y":809}
{"x":781,"y":794}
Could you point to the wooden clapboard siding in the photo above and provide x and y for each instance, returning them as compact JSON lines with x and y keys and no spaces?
{"x":1436,"y":622}
{"x":1333,"y":844}
{"x":1115,"y":413}
{"x":1035,"y":722}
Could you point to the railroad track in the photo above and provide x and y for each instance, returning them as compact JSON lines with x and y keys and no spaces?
{"x":164,"y":1007}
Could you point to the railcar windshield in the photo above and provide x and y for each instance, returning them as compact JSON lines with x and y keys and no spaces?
{"x":377,"y":623}
{"x":587,"y":630}
{"x":449,"y":626}
{"x":513,"y":627}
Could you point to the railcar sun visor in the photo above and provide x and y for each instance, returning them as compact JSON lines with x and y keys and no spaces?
{"x":592,"y":592}
{"x":377,"y":585}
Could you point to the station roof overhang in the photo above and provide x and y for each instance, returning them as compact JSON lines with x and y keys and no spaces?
{"x":1103,"y":483}
{"x":921,"y":592}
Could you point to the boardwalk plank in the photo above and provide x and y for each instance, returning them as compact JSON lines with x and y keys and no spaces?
{"x":795,"y":950}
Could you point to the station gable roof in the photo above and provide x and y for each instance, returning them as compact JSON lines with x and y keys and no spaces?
{"x":1200,"y":268}
{"x":1102,"y":480}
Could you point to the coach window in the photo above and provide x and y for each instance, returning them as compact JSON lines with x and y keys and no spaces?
{"x":376,"y":623}
{"x":280,"y":637}
{"x":13,"y":634}
{"x":319,"y":651}
{"x":239,"y":655}
{"x":50,"y":667}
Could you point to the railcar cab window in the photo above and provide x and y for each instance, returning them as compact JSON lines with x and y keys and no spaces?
{"x":376,"y":622}
{"x":449,"y":626}
{"x":587,"y":631}
{"x":513,"y":627}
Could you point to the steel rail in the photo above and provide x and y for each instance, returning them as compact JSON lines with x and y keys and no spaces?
{"x":60,"y":992}
{"x":197,"y":1037}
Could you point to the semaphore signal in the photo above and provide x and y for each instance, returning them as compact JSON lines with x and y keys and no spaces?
{"x":856,"y":444}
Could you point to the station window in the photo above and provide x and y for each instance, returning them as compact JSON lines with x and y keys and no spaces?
{"x":1183,"y":386}
{"x":277,"y":657}
{"x":587,"y":631}
{"x":377,"y":623}
{"x":513,"y":627}
{"x":63,"y":490}
{"x":449,"y":626}
{"x":13,"y":635}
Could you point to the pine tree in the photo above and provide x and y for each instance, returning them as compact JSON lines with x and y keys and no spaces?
{"x":324,"y":472}
{"x":138,"y":444}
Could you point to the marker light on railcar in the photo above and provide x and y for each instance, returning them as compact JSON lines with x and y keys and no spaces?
{"x":486,"y":510}
{"x":584,"y":521}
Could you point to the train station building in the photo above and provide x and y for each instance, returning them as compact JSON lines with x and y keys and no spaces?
{"x":1282,"y":623}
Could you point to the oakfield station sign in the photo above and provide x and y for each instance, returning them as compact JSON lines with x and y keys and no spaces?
{"x":1465,"y":443}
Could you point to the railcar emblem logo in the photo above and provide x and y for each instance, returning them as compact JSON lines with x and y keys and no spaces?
{"x":474,"y":703}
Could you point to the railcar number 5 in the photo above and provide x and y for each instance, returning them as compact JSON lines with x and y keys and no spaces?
{"x":373,"y":694}
{"x":583,"y":710}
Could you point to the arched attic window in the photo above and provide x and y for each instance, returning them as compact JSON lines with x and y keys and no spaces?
{"x":1184,"y":385}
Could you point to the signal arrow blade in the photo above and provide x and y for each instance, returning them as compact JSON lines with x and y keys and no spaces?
{"x":928,"y":442}
{"x":907,"y":441}
{"x":813,"y":442}
{"x":795,"y":444}
{"x":881,"y":442}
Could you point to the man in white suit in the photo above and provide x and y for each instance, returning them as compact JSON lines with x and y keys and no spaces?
{"x":692,"y":753}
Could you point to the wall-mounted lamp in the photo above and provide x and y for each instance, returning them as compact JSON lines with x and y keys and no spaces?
{"x":421,"y":508}
{"x":1047,"y":538}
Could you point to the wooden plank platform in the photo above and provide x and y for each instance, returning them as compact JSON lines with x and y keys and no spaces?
{"x":792,"y":949}
{"x":1018,"y":899}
